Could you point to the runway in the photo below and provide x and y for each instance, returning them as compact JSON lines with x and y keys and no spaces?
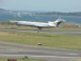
{"x":43,"y":31}
{"x":49,"y":54}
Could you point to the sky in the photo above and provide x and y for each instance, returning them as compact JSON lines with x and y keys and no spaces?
{"x":42,"y":5}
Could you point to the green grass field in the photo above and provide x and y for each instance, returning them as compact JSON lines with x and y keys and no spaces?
{"x":49,"y":40}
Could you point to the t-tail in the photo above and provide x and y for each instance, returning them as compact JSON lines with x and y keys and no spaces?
{"x":58,"y":22}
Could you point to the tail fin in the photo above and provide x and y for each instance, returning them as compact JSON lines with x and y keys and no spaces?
{"x":58,"y":22}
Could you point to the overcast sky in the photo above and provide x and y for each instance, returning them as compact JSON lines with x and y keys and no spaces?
{"x":42,"y":5}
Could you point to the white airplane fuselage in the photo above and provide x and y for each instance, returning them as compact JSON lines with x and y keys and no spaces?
{"x":39,"y":25}
{"x":36,"y":24}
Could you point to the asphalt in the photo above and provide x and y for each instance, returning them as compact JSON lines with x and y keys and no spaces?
{"x":48,"y":54}
{"x":75,"y":32}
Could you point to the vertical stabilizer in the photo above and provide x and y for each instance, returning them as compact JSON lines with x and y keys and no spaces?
{"x":58,"y":22}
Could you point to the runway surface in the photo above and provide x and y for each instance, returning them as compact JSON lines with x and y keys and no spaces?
{"x":75,"y":32}
{"x":48,"y":54}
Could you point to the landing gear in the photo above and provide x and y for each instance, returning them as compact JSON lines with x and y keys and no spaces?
{"x":39,"y":29}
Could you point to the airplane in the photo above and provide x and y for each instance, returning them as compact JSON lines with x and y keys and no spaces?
{"x":40,"y":25}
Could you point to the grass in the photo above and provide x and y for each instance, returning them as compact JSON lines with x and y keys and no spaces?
{"x":50,"y":40}
{"x":20,"y":59}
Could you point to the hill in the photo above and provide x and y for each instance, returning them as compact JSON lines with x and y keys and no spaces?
{"x":6,"y":15}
